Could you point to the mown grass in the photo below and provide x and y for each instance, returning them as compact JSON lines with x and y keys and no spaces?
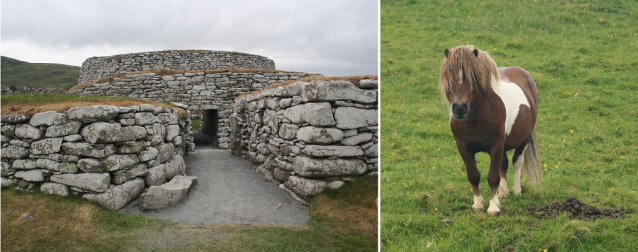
{"x":341,"y":220}
{"x":31,"y":104}
{"x":583,"y":56}
{"x":41,"y":75}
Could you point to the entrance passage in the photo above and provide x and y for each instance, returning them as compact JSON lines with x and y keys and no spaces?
{"x":210,"y":125}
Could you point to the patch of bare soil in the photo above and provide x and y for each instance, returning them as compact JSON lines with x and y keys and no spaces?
{"x":575,"y":209}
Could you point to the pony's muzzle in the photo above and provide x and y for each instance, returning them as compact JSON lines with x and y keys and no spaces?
{"x":461,"y":110}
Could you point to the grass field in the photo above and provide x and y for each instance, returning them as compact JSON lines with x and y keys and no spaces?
{"x":341,"y":220}
{"x":41,"y":75}
{"x":583,"y":56}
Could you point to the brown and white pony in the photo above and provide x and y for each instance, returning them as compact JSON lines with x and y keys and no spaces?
{"x":492,"y":110}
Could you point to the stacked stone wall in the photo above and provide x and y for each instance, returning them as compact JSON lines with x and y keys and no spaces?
{"x":107,"y":154}
{"x":198,"y":91}
{"x":99,"y":67}
{"x":308,"y":136}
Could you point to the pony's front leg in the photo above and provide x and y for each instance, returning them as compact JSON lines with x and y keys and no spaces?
{"x":473,"y":175}
{"x":494,"y":179}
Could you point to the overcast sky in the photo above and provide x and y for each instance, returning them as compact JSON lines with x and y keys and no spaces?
{"x":333,"y":38}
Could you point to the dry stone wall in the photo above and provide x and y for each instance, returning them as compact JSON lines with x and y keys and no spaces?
{"x":99,"y":67}
{"x":308,"y":136}
{"x":107,"y":154}
{"x":197,"y":91}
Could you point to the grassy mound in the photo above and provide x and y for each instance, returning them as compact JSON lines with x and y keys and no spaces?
{"x":41,"y":75}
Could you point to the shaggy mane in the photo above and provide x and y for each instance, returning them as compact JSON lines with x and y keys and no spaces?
{"x":478,"y":70}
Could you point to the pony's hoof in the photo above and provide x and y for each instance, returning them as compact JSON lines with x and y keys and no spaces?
{"x":502,"y":195}
{"x":477,"y":209}
{"x":516,"y":191}
{"x":495,"y":214}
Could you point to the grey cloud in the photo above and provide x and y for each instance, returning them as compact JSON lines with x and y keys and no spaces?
{"x":292,"y":32}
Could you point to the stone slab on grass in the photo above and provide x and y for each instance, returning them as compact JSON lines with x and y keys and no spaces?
{"x":169,"y":194}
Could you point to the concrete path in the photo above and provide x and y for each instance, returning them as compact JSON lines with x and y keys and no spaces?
{"x":227,"y":191}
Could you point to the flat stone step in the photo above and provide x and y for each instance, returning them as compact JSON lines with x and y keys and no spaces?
{"x":168,"y":194}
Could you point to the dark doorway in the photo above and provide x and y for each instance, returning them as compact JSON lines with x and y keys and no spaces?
{"x":210,"y":125}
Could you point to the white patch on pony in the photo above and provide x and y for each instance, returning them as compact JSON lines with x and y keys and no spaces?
{"x":478,"y":202}
{"x":513,"y":97}
{"x":503,"y":189}
{"x":517,"y":172}
{"x":494,"y":206}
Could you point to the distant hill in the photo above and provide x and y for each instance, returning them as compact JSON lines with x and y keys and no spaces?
{"x":40,"y":75}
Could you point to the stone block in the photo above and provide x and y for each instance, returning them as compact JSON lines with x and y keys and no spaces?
{"x":369,"y":84}
{"x":48,"y":118}
{"x":96,"y":182}
{"x":48,"y":164}
{"x":46,"y":146}
{"x":357,"y":139}
{"x":305,"y":187}
{"x":68,"y":168}
{"x":54,"y":188}
{"x":73,"y":138}
{"x":156,"y":175}
{"x":332,"y":151}
{"x":117,"y":196}
{"x":63,"y":129}
{"x":169,"y":194}
{"x":88,"y":150}
{"x":315,"y":167}
{"x":145,"y":118}
{"x":101,"y":132}
{"x":317,"y":135}
{"x":15,"y":152}
{"x":171,"y":132}
{"x":175,"y":166}
{"x":316,"y":114}
{"x":24,"y":164}
{"x":93,"y":113}
{"x":336,"y":90}
{"x":372,"y":151}
{"x":131,"y":147}
{"x":352,"y":118}
{"x":29,"y":132}
{"x":9,"y":130}
{"x":165,"y":152}
{"x":35,"y":175}
{"x":117,"y":162}
{"x":148,"y":154}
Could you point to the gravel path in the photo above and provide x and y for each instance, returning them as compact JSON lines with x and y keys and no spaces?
{"x":228,"y":191}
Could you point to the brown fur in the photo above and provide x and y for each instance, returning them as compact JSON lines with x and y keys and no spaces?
{"x":478,"y":70}
{"x":478,"y":115}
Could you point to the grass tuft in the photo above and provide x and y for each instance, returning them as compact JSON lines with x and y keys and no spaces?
{"x":31,"y":104}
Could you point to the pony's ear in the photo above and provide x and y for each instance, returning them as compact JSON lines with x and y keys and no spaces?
{"x":475,"y":53}
{"x":447,"y":53}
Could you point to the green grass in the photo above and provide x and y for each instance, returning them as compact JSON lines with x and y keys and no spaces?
{"x":341,"y":220}
{"x":41,"y":75}
{"x":580,"y":54}
{"x":196,"y":124}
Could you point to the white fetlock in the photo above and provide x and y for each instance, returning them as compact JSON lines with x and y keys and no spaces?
{"x":493,"y":209}
{"x":478,"y":203}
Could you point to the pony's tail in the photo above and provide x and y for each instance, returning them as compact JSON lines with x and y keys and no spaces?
{"x":531,"y":162}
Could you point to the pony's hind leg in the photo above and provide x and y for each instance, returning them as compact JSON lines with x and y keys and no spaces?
{"x":518,"y":159}
{"x":503,"y":191}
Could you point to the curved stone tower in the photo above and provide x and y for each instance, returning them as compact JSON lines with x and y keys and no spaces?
{"x":99,"y":67}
